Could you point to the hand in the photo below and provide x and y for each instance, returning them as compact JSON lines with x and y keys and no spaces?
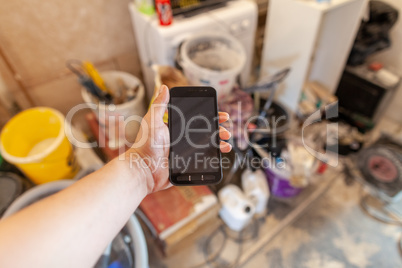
{"x":152,"y":144}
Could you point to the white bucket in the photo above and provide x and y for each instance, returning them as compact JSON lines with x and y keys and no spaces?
{"x":213,"y":59}
{"x":134,"y":109}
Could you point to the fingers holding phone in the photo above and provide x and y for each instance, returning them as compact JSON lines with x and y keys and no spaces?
{"x":196,"y":139}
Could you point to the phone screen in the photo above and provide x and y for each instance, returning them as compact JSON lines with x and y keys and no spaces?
{"x":194,"y":148}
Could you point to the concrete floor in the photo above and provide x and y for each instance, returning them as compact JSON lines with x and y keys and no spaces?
{"x":334,"y":233}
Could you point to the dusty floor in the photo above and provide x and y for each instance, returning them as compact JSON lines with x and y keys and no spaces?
{"x":334,"y":233}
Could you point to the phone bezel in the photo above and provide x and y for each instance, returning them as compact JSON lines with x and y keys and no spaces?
{"x":194,"y":91}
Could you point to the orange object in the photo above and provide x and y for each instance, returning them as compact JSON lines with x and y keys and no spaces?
{"x":376,"y":66}
{"x":322,"y":168}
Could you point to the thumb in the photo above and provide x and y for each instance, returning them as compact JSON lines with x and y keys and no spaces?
{"x":159,"y":105}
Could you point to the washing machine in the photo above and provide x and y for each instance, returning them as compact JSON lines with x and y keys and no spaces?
{"x":159,"y":44}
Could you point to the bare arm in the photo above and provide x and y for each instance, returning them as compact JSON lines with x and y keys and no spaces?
{"x":74,"y":226}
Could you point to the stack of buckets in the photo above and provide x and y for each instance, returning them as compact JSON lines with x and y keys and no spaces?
{"x":35,"y":141}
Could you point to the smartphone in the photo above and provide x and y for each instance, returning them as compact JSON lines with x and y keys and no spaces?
{"x":194,"y":157}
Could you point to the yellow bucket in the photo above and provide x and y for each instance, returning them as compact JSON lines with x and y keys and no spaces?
{"x":34,"y":140}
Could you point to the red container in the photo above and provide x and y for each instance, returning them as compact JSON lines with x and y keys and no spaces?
{"x":164,"y":10}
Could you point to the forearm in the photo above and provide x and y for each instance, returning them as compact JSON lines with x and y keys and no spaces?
{"x":73,"y":227}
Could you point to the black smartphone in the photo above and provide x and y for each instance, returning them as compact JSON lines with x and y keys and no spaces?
{"x":195,"y":157}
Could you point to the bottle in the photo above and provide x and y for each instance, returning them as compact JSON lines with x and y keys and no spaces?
{"x":164,"y":10}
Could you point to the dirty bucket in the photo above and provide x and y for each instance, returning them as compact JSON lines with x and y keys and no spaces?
{"x":116,"y":131}
{"x":213,"y":59}
{"x":35,"y":141}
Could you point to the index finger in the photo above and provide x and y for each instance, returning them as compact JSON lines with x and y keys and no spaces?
{"x":223,"y":117}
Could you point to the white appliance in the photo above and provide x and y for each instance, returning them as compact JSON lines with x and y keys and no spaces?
{"x":158,"y":44}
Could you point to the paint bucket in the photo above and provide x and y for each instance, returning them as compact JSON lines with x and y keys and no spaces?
{"x":35,"y":141}
{"x":108,"y":115}
{"x":213,"y":59}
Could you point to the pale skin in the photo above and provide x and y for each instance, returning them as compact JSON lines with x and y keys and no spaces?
{"x":73,"y":227}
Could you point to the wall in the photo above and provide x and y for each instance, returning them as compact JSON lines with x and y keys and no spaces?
{"x":393,"y":59}
{"x":37,"y":37}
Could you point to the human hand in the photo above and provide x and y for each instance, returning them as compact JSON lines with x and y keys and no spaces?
{"x":152,"y":144}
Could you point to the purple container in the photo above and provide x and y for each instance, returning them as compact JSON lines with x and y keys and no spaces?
{"x":279,"y":185}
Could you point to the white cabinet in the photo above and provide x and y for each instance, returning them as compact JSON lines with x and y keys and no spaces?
{"x":313,"y":39}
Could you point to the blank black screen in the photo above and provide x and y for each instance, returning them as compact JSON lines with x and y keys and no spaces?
{"x":193,"y":135}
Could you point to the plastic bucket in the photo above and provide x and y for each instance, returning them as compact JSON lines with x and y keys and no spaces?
{"x":279,"y":184}
{"x":278,"y":177}
{"x":117,"y":132}
{"x":213,"y":59}
{"x":35,"y":141}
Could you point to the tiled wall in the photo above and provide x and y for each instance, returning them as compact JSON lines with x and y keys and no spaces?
{"x":37,"y":37}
